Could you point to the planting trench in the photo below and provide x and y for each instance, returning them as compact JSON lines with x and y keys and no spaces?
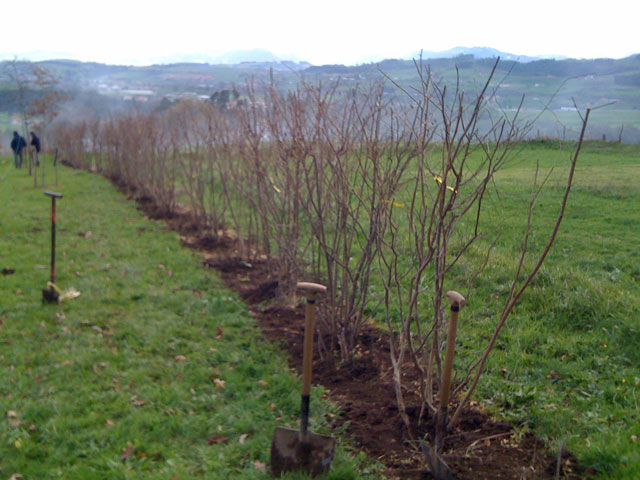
{"x":478,"y":448}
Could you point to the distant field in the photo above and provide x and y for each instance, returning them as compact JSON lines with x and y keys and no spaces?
{"x":559,"y":124}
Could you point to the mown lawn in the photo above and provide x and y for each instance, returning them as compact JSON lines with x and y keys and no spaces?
{"x":155,"y":371}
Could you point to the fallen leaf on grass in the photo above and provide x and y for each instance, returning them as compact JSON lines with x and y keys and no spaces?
{"x":110,"y":423}
{"x":180,"y":358}
{"x":138,"y":402}
{"x":260,"y":465}
{"x":126,"y":452}
{"x":263,"y":383}
{"x":217,"y":438}
{"x":243,"y":438}
{"x":12,"y":414}
{"x":219,"y":383}
{"x":85,"y":234}
{"x":15,"y":476}
{"x":219,"y":333}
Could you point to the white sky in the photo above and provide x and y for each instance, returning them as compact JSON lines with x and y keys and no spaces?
{"x":321,"y":32}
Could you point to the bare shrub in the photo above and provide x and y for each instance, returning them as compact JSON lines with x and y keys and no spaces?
{"x":460,"y":148}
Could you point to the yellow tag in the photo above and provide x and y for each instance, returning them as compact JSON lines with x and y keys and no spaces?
{"x":273,"y":184}
{"x":395,"y":204}
{"x":439,"y":180}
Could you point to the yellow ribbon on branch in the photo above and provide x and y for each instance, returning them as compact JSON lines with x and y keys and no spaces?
{"x":273,"y":184}
{"x":395,"y":204}
{"x":439,"y":180}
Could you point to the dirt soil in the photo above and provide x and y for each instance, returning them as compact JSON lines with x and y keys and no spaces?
{"x":478,"y":448}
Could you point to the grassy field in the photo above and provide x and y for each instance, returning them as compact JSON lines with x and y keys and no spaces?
{"x":567,"y":364}
{"x":155,"y":371}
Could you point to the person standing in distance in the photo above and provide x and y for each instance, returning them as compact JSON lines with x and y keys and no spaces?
{"x":17,"y":145}
{"x":35,"y":143}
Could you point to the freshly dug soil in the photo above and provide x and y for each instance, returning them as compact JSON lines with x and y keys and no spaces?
{"x":478,"y":448}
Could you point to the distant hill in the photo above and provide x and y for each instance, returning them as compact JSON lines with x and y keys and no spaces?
{"x":484,"y":52}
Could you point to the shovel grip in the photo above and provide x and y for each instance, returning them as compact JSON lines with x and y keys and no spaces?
{"x":309,"y":289}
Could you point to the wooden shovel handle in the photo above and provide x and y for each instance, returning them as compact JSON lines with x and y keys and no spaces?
{"x":309,"y":290}
{"x":457,"y":302}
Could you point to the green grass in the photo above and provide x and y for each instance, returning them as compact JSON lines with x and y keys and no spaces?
{"x":155,"y":354}
{"x":567,"y":363}
{"x":566,"y":366}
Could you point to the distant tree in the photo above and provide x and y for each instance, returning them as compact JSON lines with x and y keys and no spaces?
{"x":165,"y":104}
{"x":38,"y":96}
{"x":17,"y":74}
{"x":46,"y":106}
{"x":225,"y":99}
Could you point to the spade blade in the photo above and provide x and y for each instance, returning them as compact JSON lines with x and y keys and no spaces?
{"x":313,"y":455}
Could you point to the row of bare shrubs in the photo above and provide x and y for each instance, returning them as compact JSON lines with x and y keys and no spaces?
{"x":337,"y":184}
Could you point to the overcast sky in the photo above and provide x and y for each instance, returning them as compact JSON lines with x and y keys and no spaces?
{"x":321,"y":32}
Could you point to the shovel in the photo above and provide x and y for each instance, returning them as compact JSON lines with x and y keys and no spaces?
{"x":437,"y":466}
{"x":51,"y":295}
{"x":303,"y":449}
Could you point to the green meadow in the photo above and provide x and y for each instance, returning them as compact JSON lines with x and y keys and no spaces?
{"x":157,"y":370}
{"x":154,"y":371}
{"x":567,"y":363}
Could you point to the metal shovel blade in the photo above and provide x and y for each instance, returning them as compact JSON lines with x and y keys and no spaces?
{"x":437,"y":467}
{"x":288,"y":452}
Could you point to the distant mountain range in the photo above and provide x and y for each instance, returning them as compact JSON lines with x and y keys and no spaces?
{"x":262,"y":56}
